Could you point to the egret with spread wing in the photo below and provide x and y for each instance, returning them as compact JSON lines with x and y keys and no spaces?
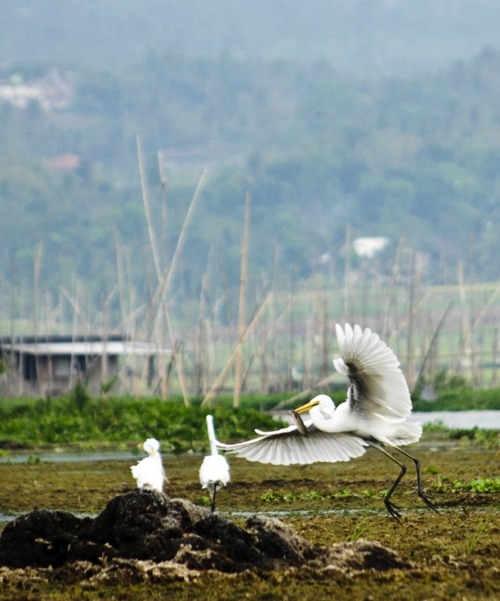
{"x":374,"y":414}
{"x":149,"y":472}
{"x":214,"y":471}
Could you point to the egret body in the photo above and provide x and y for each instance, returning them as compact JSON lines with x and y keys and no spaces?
{"x":374,"y":414}
{"x":214,"y":471}
{"x":149,"y":472}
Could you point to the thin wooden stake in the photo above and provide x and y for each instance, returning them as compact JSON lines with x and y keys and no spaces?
{"x":241,"y":315}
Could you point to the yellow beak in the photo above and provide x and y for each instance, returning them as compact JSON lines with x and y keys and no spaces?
{"x":307,"y":407}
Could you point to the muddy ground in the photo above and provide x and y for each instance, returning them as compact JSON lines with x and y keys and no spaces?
{"x":452,"y":555}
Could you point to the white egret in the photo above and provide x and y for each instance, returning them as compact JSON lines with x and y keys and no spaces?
{"x":374,"y":414}
{"x":149,"y":472}
{"x":214,"y":471}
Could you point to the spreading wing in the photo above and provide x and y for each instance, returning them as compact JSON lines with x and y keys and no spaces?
{"x":288,"y":446}
{"x":377,"y":384}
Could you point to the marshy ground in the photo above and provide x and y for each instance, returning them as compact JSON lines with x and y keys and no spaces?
{"x":454,"y":554}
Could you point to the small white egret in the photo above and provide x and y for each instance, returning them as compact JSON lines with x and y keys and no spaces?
{"x":374,"y":414}
{"x":214,"y":471}
{"x":149,"y":472}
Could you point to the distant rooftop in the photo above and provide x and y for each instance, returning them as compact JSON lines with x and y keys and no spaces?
{"x":78,"y":345}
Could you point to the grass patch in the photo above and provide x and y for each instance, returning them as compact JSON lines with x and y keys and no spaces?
{"x":461,"y":399}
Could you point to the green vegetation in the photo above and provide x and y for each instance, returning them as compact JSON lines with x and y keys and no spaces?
{"x":442,"y":485}
{"x":461,"y":399}
{"x":78,"y":418}
{"x":289,"y":498}
{"x":480,"y":485}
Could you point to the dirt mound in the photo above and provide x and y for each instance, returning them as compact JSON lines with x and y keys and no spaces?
{"x":146,"y":526}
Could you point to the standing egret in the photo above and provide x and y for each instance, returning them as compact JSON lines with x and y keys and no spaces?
{"x":149,"y":472}
{"x":374,"y":414}
{"x":214,"y":471}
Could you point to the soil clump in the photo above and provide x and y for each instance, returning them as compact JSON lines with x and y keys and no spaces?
{"x":146,"y":528}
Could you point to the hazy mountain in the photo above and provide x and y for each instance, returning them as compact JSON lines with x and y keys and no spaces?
{"x":324,"y":145}
{"x":363,"y":37}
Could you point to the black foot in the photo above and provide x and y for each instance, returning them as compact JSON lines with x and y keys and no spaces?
{"x":392,"y":509}
{"x":427,"y":502}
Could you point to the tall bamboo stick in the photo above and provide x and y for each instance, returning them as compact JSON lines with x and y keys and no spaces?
{"x":164,"y":220}
{"x":347,"y":275}
{"x":246,"y":333}
{"x":464,"y":326}
{"x":494,"y":352}
{"x":241,"y":311}
{"x":164,"y":283}
{"x":411,"y":316}
{"x":145,"y":200}
{"x":431,"y":347}
{"x":37,"y":260}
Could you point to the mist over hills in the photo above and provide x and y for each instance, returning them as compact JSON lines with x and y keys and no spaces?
{"x":369,"y":38}
{"x":363,"y":118}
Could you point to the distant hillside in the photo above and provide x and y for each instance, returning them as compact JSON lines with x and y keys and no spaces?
{"x":324,"y":156}
{"x":363,"y":37}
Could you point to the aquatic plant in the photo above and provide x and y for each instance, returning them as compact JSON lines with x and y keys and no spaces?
{"x":480,"y":485}
{"x":471,"y":544}
{"x":362,"y":527}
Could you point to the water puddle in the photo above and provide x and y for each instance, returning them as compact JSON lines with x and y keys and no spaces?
{"x":293,"y":513}
{"x":69,"y":457}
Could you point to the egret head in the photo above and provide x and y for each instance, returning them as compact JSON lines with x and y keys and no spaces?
{"x":151,"y":446}
{"x":321,"y":407}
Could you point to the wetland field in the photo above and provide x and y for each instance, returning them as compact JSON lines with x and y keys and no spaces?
{"x":454,"y":554}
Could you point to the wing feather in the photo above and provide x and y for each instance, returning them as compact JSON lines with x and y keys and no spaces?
{"x":288,"y":446}
{"x":377,"y":384}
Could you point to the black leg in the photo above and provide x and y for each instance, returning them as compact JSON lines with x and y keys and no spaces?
{"x":391,"y":508}
{"x":419,"y":481}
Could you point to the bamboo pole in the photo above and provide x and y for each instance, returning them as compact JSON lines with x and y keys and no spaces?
{"x":50,"y":370}
{"x":119,"y":275}
{"x":200,"y":342}
{"x":241,"y":311}
{"x":145,"y":201}
{"x":178,"y":364}
{"x":494,"y":352}
{"x":77,"y":309}
{"x":13,"y":302}
{"x":387,"y":328}
{"x":431,"y":347}
{"x":73,"y":334}
{"x":411,"y":316}
{"x":164,"y":284}
{"x":463,"y":300}
{"x":347,"y":275}
{"x":164,"y":220}
{"x":37,"y":260}
{"x":182,"y":236}
{"x":246,"y":333}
